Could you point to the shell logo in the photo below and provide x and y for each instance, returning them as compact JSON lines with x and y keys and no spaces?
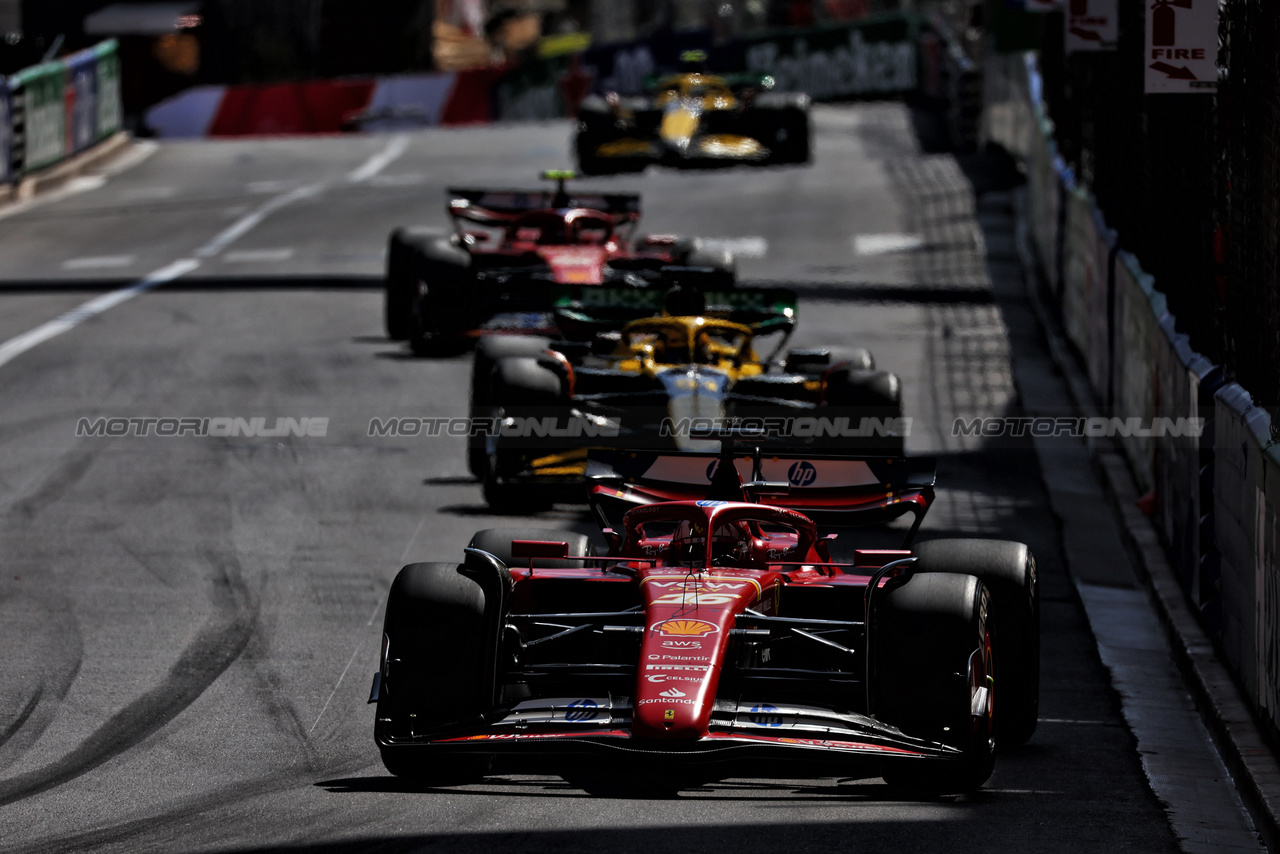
{"x":685,"y":628}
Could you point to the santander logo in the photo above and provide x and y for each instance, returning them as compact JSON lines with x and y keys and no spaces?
{"x":672,"y":692}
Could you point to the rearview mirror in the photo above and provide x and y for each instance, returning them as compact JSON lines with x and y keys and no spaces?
{"x":533,"y":549}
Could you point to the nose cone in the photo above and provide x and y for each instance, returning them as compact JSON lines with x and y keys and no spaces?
{"x":678,"y":676}
{"x":689,"y":616}
{"x":678,"y":127}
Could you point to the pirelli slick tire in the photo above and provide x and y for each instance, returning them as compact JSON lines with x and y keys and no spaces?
{"x":487,"y":353}
{"x":782,"y":122}
{"x":861,"y":394}
{"x":432,"y":607}
{"x":444,"y":285}
{"x":1008,"y":569}
{"x":520,"y":385}
{"x":497,"y":542}
{"x":935,"y":677}
{"x":404,"y":249}
{"x":818,"y":361}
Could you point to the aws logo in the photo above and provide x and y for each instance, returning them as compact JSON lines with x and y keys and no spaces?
{"x":802,"y":473}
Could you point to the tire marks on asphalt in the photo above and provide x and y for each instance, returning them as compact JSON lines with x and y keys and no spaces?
{"x":218,"y":643}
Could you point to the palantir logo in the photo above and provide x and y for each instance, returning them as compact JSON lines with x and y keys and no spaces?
{"x":802,"y":473}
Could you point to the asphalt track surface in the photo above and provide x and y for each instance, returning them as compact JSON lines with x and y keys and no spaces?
{"x":189,"y":624}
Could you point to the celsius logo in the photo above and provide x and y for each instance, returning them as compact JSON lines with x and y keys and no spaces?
{"x":765,"y":715}
{"x":582,"y":710}
{"x":802,"y":474}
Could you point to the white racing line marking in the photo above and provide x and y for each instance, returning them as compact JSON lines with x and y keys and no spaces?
{"x":258,"y":256}
{"x":14,"y":347}
{"x":886,"y":244}
{"x":98,"y":262}
{"x":381,"y":160}
{"x":249,"y":222}
{"x":404,"y":556}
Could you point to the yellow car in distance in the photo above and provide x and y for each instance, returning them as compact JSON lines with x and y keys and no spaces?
{"x":693,"y":119}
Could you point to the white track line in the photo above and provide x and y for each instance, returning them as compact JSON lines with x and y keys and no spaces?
{"x":381,"y":160}
{"x":251,"y":221}
{"x":15,"y":347}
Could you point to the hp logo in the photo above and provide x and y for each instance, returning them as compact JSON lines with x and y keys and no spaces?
{"x":582,"y":710}
{"x":802,"y":473}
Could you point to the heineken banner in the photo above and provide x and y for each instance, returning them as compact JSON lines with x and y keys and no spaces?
{"x":873,"y":57}
{"x":43,"y":88}
{"x":109,"y":117}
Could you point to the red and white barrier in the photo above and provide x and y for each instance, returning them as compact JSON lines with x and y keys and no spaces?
{"x":326,"y":106}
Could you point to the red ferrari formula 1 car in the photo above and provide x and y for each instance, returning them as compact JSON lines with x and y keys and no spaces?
{"x":513,"y":250}
{"x":717,"y":638}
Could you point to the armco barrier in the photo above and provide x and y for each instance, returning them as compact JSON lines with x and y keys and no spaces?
{"x":1044,"y":192}
{"x":1077,"y":266}
{"x":1267,"y":580}
{"x":1099,"y":300}
{"x":1008,"y":119}
{"x":1139,"y":309}
{"x":1244,"y":533}
{"x":6,"y":134}
{"x":1185,"y":377}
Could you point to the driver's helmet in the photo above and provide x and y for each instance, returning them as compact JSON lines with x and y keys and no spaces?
{"x":671,"y":346}
{"x":730,"y":545}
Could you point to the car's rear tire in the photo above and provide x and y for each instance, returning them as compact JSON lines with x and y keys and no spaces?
{"x":433,"y":607}
{"x":934,"y":666}
{"x":404,"y":250}
{"x":497,"y":542}
{"x":445,"y":292}
{"x":487,"y":353}
{"x":520,"y":385}
{"x":1009,"y":571}
{"x":864,"y":394}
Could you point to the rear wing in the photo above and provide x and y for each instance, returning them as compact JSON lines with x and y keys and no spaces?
{"x":608,"y":306}
{"x":837,"y":490}
{"x":489,"y":204}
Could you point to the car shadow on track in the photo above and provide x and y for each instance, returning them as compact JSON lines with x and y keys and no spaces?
{"x":737,"y":790}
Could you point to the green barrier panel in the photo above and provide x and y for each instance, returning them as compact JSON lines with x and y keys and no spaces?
{"x":110,"y":118}
{"x":44,"y":90}
{"x":875,"y":56}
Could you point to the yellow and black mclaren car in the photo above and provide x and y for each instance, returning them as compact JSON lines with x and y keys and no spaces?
{"x":693,"y":119}
{"x":660,"y":383}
